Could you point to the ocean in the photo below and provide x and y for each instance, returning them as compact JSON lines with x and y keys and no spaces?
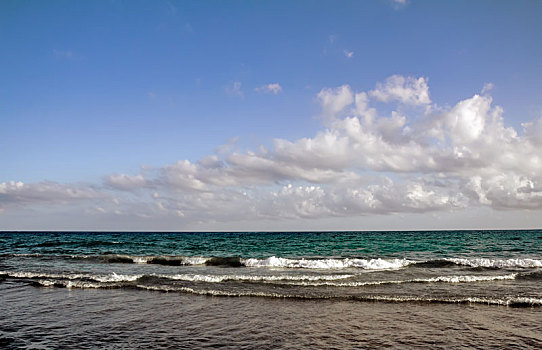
{"x":271,"y":290}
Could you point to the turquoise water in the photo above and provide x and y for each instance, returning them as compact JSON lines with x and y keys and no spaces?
{"x":412,"y":245}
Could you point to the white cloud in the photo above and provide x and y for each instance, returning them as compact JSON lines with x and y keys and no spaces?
{"x":335,"y":100}
{"x":533,"y":131}
{"x":19,"y":193}
{"x":407,"y":90}
{"x":466,"y":120}
{"x":273,"y":88}
{"x":126,"y":182}
{"x":234,"y":89}
{"x":362,"y":163}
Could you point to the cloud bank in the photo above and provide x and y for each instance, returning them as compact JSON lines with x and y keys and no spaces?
{"x":416,"y":157}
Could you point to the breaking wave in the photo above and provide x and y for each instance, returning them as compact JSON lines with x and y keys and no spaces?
{"x":369,"y":264}
{"x":302,"y":263}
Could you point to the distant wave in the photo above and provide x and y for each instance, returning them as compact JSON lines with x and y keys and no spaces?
{"x":302,"y":263}
{"x":306,"y":263}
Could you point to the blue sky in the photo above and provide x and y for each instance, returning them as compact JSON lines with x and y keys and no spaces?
{"x":92,"y":91}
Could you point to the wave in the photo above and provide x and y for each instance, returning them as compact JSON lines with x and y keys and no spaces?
{"x":72,"y":276}
{"x":510,"y":301}
{"x":497,"y":263}
{"x":504,"y":301}
{"x":300,"y":280}
{"x":114,"y":277}
{"x":438,"y":279}
{"x":301,"y":263}
{"x":254,"y":278}
{"x":369,"y":264}
{"x":273,"y":261}
{"x":144,"y":259}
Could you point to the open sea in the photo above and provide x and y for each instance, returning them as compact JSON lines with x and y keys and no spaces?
{"x":271,"y":290}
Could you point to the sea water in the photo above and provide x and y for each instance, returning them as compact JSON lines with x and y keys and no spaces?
{"x":271,"y":289}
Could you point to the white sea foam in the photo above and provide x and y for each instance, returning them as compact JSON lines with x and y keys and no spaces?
{"x":503,"y":301}
{"x":222,"y":293}
{"x":305,"y":280}
{"x":514,"y":301}
{"x":194,"y":260}
{"x":72,"y":276}
{"x":70,"y":284}
{"x":47,"y":283}
{"x":28,"y":274}
{"x":438,"y":279}
{"x":497,"y":263}
{"x":253,"y":278}
{"x":139,"y":259}
{"x":82,"y":285}
{"x":369,"y":264}
{"x":466,"y":279}
{"x":116,"y":278}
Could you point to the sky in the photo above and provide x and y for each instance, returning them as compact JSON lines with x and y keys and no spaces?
{"x":270,"y":115}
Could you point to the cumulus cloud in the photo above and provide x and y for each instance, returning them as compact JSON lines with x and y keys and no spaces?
{"x":273,"y":88}
{"x":335,"y":100}
{"x":363,"y":162}
{"x":407,"y":90}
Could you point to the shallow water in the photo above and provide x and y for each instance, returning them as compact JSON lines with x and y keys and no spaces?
{"x":96,"y":318}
